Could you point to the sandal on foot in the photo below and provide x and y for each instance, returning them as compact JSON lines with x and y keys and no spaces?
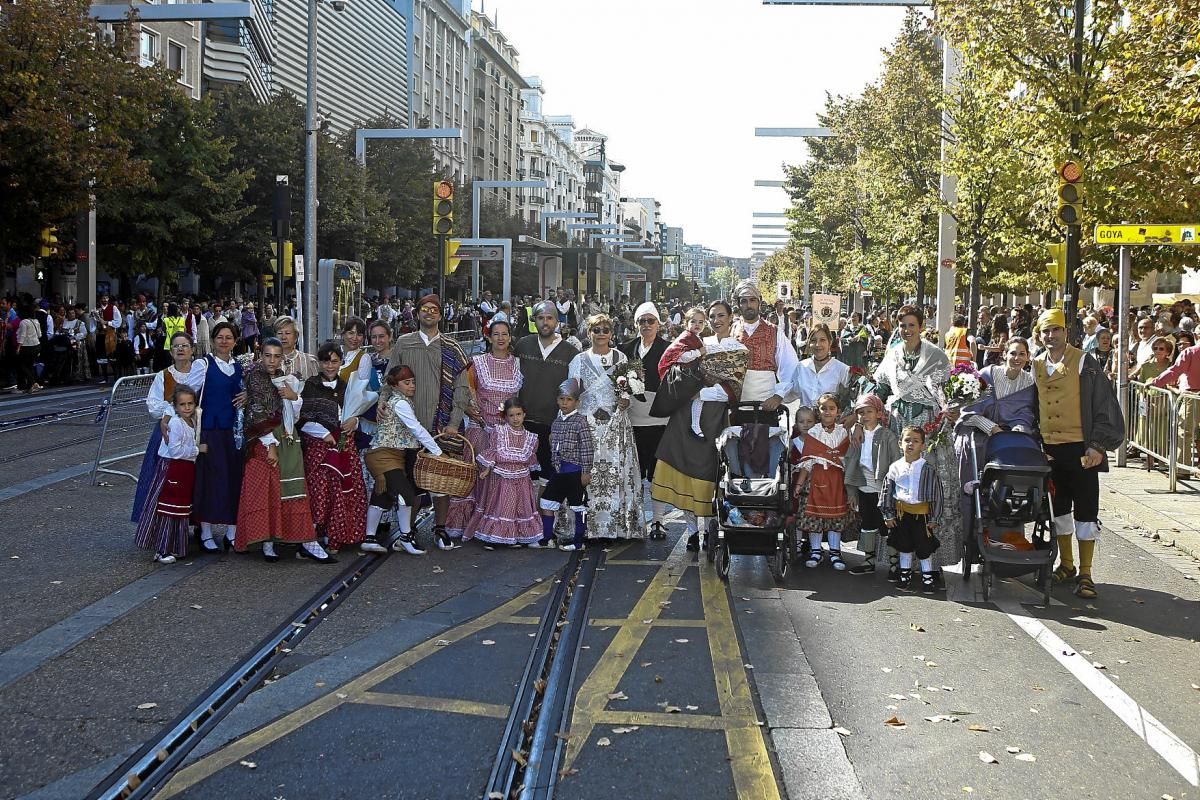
{"x":1085,"y":587}
{"x":1063,"y":574}
{"x":815,"y":558}
{"x":835,"y":560}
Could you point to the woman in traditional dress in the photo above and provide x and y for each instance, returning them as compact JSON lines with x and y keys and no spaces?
{"x":332,"y":472}
{"x":818,"y":374}
{"x":910,"y":381}
{"x":356,"y":359}
{"x":507,"y":513}
{"x":295,"y":362}
{"x":686,"y":475}
{"x":158,"y":401}
{"x":495,"y":376}
{"x":648,"y":347}
{"x":219,"y":467}
{"x":273,"y":505}
{"x":615,"y":492}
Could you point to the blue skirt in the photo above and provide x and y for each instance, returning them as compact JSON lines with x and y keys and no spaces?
{"x":218,"y":479}
{"x":146,"y":475}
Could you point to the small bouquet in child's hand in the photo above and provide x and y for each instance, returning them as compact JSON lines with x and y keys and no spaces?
{"x":964,"y":386}
{"x":629,"y":379}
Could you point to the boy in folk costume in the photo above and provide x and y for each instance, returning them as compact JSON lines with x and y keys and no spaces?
{"x":572,"y":448}
{"x":1079,"y":419}
{"x":866,"y":468}
{"x":772,"y":357}
{"x":911,"y":500}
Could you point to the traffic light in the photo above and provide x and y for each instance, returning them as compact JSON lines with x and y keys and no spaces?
{"x":285,"y":262}
{"x":452,"y":263}
{"x":1070,"y":193}
{"x":48,"y":242}
{"x":1057,"y":267}
{"x":268,"y":280}
{"x":443,"y":208}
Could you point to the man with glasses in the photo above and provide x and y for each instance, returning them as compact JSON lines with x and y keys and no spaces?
{"x":772,"y":357}
{"x":544,"y":362}
{"x":443,"y":395}
{"x":648,"y":347}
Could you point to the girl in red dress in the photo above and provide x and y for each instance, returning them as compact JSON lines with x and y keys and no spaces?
{"x":822,"y":466}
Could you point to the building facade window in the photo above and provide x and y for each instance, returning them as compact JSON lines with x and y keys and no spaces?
{"x":177,"y":60}
{"x":148,"y":48}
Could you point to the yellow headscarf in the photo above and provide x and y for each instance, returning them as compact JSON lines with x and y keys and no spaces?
{"x":1052,"y":318}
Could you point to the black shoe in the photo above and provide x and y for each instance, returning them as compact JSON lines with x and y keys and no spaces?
{"x":226,"y":542}
{"x":905,"y":582}
{"x":270,"y":557}
{"x":444,"y":542}
{"x":865,"y":568}
{"x":327,"y":559}
{"x":657,"y":531}
{"x":928,"y":583}
{"x":693,"y":543}
{"x":371,"y":545}
{"x":893,"y":575}
{"x":209,"y":546}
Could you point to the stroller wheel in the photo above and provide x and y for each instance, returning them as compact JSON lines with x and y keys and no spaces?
{"x":781,"y":558}
{"x":987,"y":581}
{"x":710,"y":539}
{"x":722,"y":557}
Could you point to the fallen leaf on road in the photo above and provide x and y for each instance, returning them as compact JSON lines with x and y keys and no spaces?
{"x":748,"y":666}
{"x":658,"y":678}
{"x":488,"y":642}
{"x":1086,"y":652}
{"x":692,"y":708}
{"x":198,"y":608}
{"x":444,"y":642}
{"x":931,"y":663}
{"x":968,"y":789}
{"x":886,"y":669}
{"x":341,"y":695}
{"x":146,"y":706}
{"x":942,"y":718}
{"x":617,"y":696}
{"x":437,"y":570}
{"x":681,"y":641}
{"x":319,"y":684}
{"x":947,"y":688}
{"x":664,"y":603}
{"x":641,"y":580}
{"x":1025,"y":757}
{"x":912,"y":626}
{"x":1122,"y":661}
{"x":1034,"y":711}
{"x":987,"y":757}
{"x":566,"y":773}
{"x":645,"y":663}
{"x":495,"y":795}
{"x":978,"y":728}
{"x":672,"y":709}
{"x":299,"y":625}
{"x":840,"y":731}
{"x":1013,"y":750}
{"x":603,"y":741}
{"x":647,"y":621}
{"x":1098,"y":665}
{"x":1196,"y":687}
{"x":897,"y":697}
{"x":895,"y":722}
{"x":1039,"y":688}
{"x":630,"y":729}
{"x":55,"y":583}
{"x":248,"y":764}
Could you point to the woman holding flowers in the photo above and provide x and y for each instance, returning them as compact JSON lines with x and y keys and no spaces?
{"x":910,"y":381}
{"x":615,"y":491}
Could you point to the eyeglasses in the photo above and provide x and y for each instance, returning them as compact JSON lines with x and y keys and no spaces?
{"x":647,"y":321}
{"x":602,"y":330}
{"x":431,"y":309}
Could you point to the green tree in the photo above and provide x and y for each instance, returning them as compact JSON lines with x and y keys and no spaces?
{"x":70,"y":103}
{"x":190,"y":191}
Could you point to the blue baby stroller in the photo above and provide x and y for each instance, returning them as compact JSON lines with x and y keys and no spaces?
{"x":752,"y":512}
{"x":1012,"y":491}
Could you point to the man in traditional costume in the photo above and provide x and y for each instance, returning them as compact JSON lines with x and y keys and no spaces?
{"x":111,"y":316}
{"x":772,"y":357}
{"x":1080,"y":419}
{"x":443,"y":394}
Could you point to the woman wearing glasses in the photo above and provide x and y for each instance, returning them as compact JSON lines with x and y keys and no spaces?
{"x":648,"y":347}
{"x":615,"y":490}
{"x":158,"y":402}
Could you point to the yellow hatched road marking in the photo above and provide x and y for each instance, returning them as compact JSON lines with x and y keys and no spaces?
{"x":350,"y":692}
{"x":449,"y":705}
{"x":617,"y":623}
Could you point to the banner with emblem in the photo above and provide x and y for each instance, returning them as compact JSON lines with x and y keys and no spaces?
{"x":827,"y":308}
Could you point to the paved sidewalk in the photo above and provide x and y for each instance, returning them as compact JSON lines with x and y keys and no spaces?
{"x":1136,"y":504}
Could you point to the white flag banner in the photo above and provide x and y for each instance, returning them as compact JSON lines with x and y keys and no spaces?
{"x":827,"y":308}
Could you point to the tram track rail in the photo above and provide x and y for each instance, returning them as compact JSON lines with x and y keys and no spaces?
{"x":526,"y":761}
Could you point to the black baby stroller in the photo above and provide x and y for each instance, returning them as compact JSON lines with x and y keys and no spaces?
{"x":752,"y":512}
{"x":1011,"y":491}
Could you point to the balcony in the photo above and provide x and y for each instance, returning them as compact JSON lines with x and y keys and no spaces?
{"x":537,"y":200}
{"x":480,"y":94}
{"x":536,"y":173}
{"x":479,"y":123}
{"x":480,"y":153}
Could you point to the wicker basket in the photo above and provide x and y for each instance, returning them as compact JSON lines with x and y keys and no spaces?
{"x":446,"y":474}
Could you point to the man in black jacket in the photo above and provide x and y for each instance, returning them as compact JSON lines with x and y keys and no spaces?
{"x":1079,"y":418}
{"x":648,"y":347}
{"x":544,"y":362}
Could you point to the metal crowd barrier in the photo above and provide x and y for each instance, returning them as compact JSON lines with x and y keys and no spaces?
{"x":126,"y":425}
{"x":470,"y":341}
{"x":1163,"y":425}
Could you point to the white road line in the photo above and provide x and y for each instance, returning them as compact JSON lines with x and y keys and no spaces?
{"x":1170,"y":747}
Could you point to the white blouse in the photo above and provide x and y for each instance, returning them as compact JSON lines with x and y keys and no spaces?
{"x":161,"y":406}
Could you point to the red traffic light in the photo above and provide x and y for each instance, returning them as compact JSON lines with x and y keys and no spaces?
{"x":443,"y":190}
{"x":1071,"y":172}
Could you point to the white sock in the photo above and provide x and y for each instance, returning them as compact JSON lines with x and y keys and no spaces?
{"x":926,"y":564}
{"x":374,"y":514}
{"x":906,"y":560}
{"x":230,"y":532}
{"x":835,"y":540}
{"x":206,"y":534}
{"x":814,"y":541}
{"x":268,"y":548}
{"x":404,"y":519}
{"x":660,"y":510}
{"x":696,"y":406}
{"x":691,"y":523}
{"x":316,"y":549}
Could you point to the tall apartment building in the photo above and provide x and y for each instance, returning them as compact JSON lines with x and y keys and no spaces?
{"x":548,"y":153}
{"x":643,"y":215}
{"x":497,"y":88}
{"x":441,"y":79}
{"x":602,"y":176}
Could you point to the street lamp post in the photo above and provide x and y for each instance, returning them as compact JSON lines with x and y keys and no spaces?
{"x":475,"y":187}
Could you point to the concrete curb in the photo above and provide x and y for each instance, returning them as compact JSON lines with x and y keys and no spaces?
{"x":1175,"y":544}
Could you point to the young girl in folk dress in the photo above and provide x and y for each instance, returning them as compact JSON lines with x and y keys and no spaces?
{"x":822,"y":467}
{"x":336,"y":491}
{"x":686,"y":349}
{"x":506,"y":513}
{"x":164,"y":525}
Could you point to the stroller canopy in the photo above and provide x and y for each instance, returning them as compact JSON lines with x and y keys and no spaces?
{"x":1014,"y":449}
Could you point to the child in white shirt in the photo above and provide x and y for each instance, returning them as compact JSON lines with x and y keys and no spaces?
{"x":910,"y":503}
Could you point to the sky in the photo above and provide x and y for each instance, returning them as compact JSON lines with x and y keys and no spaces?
{"x":679,"y":86}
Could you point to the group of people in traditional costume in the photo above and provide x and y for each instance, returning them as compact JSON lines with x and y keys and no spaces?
{"x":317,"y":452}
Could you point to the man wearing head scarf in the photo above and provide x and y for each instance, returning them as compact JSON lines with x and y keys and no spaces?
{"x":1080,"y":419}
{"x":544,"y":362}
{"x":772,"y":357}
{"x":648,"y":347}
{"x":443,"y":394}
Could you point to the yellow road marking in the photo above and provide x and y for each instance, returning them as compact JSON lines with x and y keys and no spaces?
{"x":748,"y":758}
{"x":618,"y":622}
{"x":639,"y":563}
{"x":705,"y":722}
{"x":237,"y":750}
{"x":447,"y":704}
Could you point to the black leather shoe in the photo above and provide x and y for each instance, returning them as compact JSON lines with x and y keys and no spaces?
{"x":209,"y":546}
{"x":328,"y":559}
{"x":693,"y":543}
{"x":270,"y":557}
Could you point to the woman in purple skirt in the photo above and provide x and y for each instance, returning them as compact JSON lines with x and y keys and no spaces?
{"x":219,"y":468}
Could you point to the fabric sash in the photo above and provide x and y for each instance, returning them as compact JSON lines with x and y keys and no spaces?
{"x":291,"y":467}
{"x":454,"y":361}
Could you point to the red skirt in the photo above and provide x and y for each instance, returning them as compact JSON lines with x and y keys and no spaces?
{"x":262,"y":517}
{"x":175,"y":498}
{"x":337,"y":494}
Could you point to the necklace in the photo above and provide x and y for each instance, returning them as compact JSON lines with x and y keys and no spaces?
{"x":606,"y":359}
